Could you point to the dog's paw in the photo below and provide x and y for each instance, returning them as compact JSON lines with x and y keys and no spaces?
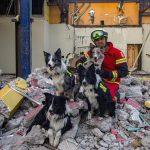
{"x":51,"y":136}
{"x":89,"y":117}
{"x":56,"y":143}
{"x":57,"y":138}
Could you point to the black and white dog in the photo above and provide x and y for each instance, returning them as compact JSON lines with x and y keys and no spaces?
{"x":54,"y":62}
{"x":54,"y":117}
{"x":97,"y":94}
{"x":63,"y":79}
{"x":96,"y":56}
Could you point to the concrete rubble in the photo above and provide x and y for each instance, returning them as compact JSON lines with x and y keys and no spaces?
{"x":129,"y":130}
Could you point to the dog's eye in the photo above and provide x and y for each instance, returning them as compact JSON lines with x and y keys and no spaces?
{"x":91,"y":90}
{"x":53,"y":59}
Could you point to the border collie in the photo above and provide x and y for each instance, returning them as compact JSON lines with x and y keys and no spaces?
{"x":54,"y":117}
{"x":54,"y":62}
{"x":63,"y":79}
{"x":98,"y":57}
{"x":91,"y":96}
{"x":95,"y":91}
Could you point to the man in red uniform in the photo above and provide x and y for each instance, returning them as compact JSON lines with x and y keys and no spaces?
{"x":114,"y":65}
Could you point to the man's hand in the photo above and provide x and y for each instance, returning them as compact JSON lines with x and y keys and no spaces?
{"x":104,"y":74}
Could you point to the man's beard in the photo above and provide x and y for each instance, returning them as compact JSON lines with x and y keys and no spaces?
{"x":102,"y":48}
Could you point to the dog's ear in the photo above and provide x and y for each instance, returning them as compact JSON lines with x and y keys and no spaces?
{"x":92,"y":46}
{"x":46,"y":57}
{"x":48,"y":98}
{"x":65,"y":98}
{"x":80,"y":68}
{"x":58,"y":52}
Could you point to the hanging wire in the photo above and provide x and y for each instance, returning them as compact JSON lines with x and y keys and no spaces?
{"x":9,"y":7}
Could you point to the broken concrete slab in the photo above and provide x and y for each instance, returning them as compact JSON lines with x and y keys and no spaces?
{"x":14,"y":123}
{"x":122,"y":115}
{"x":36,"y":136}
{"x":146,"y":141}
{"x":105,"y":125}
{"x":133,"y":92}
{"x":9,"y":141}
{"x":2,"y":118}
{"x":109,"y":138}
{"x":68,"y":144}
{"x":97,"y":133}
{"x":134,"y":117}
{"x":103,"y":144}
{"x":72,"y":132}
{"x":39,"y":148}
{"x":31,"y":115}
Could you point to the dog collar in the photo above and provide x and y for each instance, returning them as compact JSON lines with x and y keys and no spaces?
{"x":67,"y":115}
{"x":69,"y":73}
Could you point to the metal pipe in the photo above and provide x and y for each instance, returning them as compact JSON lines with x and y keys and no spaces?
{"x":78,"y":9}
{"x":9,"y":7}
{"x":83,"y":12}
{"x":74,"y":13}
{"x":25,"y":39}
{"x":17,"y":35}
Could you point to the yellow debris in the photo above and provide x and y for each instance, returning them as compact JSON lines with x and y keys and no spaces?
{"x":147,"y":104}
{"x":144,"y":78}
{"x":21,"y":83}
{"x":11,"y":99}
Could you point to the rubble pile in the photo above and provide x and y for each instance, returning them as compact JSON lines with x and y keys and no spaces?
{"x":129,"y":130}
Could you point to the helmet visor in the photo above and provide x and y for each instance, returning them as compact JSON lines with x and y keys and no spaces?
{"x":97,"y":35}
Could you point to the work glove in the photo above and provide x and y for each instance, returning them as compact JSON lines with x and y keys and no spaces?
{"x":104,"y":74}
{"x":82,"y":59}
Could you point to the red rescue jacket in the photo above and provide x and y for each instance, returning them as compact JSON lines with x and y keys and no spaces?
{"x":114,"y":67}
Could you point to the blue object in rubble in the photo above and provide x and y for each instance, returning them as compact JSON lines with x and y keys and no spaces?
{"x":2,"y":83}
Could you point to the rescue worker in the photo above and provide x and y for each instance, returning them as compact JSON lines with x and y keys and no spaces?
{"x":114,"y":65}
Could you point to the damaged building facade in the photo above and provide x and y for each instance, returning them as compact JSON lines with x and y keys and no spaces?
{"x":127,"y":22}
{"x":53,"y":108}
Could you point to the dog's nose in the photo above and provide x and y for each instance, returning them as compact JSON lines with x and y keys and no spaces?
{"x":95,"y":59}
{"x":50,"y":110}
{"x":49,"y":65}
{"x":84,"y":83}
{"x":81,"y":95}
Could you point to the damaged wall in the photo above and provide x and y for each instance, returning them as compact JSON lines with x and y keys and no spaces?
{"x":51,"y":37}
{"x":37,"y":43}
{"x":7,"y":45}
{"x":119,"y":36}
{"x":58,"y":36}
{"x":146,"y":49}
{"x":107,"y":12}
